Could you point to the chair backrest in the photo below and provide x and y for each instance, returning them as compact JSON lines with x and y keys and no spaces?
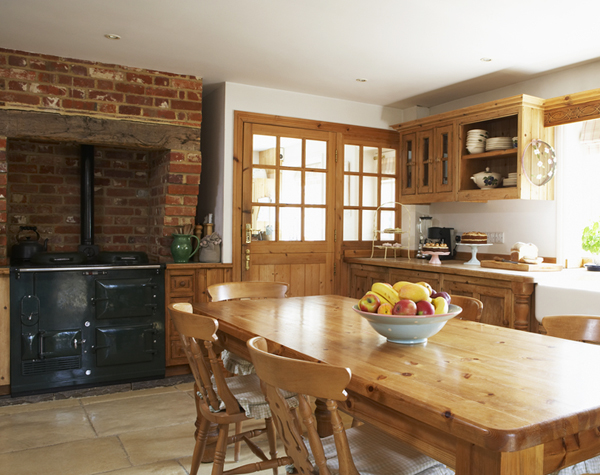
{"x":247,"y":290}
{"x":472,"y":308}
{"x":584,"y":328}
{"x":199,"y":337}
{"x":306,"y":379}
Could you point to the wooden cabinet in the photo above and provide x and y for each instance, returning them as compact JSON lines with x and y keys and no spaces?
{"x":428,"y":164}
{"x":362,"y":279}
{"x":524,"y":121}
{"x":507,"y":299}
{"x":188,"y":283}
{"x":435,"y":164}
{"x":496,"y":297}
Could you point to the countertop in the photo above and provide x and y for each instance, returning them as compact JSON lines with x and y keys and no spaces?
{"x":449,"y":267}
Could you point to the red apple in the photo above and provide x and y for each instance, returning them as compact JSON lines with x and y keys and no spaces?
{"x":369,"y":303}
{"x":385,"y":309}
{"x":425,"y":308}
{"x":405,"y":307}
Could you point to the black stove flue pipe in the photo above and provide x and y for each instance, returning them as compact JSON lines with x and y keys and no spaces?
{"x":87,"y":201}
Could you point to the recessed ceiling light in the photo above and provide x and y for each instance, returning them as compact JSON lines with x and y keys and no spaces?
{"x":361,"y":80}
{"x":112,"y":37}
{"x":486,"y":60}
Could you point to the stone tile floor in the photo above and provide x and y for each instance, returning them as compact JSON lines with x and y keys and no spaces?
{"x":116,"y":430}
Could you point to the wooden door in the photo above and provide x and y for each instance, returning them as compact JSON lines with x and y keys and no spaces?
{"x":444,"y":159}
{"x":425,"y":161}
{"x":288,"y":197}
{"x":408,"y":169}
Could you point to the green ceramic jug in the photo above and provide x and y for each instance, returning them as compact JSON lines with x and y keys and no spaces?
{"x":182,"y":247}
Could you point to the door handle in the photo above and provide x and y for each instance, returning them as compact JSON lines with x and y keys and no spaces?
{"x":247,"y":259}
{"x":248,"y":233}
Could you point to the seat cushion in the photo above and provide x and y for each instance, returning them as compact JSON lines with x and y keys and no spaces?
{"x":236,"y":364}
{"x":590,"y":466}
{"x":376,"y":453}
{"x":246,"y":389}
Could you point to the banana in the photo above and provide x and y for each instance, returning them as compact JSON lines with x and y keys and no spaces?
{"x":381,"y":298}
{"x":385,"y":290}
{"x":398,"y":285}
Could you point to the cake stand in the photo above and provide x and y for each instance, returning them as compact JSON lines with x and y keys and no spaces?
{"x":435,"y":260}
{"x":474,"y":261}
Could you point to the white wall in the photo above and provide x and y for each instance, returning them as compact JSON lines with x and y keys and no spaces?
{"x":238,"y":97}
{"x":519,"y":220}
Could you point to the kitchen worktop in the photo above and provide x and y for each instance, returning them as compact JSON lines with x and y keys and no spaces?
{"x":448,"y":267}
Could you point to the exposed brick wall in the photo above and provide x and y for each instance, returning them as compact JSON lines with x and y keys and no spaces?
{"x":84,"y":87}
{"x":163,"y":199}
{"x":43,"y":191}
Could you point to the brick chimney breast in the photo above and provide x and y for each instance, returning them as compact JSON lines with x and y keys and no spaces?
{"x":145,"y":127}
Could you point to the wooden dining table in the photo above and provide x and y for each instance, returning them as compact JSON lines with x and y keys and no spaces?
{"x":482,"y":399}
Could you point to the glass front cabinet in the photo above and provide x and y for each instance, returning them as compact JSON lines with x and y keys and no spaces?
{"x":428,"y":162}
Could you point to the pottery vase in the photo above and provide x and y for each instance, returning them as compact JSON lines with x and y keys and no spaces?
{"x":182,"y":248}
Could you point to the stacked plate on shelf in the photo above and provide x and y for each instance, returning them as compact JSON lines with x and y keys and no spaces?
{"x":498,"y":143}
{"x":476,"y":139}
{"x":510,"y":180}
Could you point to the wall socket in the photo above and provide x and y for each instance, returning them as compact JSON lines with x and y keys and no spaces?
{"x":495,"y":238}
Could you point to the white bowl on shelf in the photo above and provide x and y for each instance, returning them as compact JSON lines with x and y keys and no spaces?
{"x":478,"y":132}
{"x":475,"y":148}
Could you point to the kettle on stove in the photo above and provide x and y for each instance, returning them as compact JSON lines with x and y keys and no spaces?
{"x":28,"y":243}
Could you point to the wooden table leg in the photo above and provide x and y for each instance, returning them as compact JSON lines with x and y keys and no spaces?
{"x":473,"y":460}
{"x":323,"y":417}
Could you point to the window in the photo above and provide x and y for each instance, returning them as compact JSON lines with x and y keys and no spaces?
{"x":578,"y":203}
{"x":289,"y":192}
{"x":369,"y":183}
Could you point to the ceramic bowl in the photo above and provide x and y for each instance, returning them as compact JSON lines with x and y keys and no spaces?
{"x":476,"y":148}
{"x":487,"y":179}
{"x":408,"y":329}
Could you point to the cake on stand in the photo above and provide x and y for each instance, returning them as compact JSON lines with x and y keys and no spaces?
{"x":435,"y":259}
{"x":474,"y":261}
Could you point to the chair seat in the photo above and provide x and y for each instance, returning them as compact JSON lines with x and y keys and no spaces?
{"x":246,"y":389}
{"x":590,"y":466}
{"x":236,"y":364}
{"x":375,"y":453}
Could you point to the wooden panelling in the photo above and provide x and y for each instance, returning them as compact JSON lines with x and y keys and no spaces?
{"x":188,"y":283}
{"x":572,"y":108}
{"x":4,"y":328}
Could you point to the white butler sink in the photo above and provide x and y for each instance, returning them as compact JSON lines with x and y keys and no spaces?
{"x":569,"y":292}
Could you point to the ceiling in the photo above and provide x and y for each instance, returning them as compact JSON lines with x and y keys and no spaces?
{"x":412,"y":52}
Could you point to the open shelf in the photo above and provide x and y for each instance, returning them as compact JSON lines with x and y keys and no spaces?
{"x":509,"y":152}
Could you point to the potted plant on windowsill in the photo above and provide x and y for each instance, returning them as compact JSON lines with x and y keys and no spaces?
{"x":590,"y":241}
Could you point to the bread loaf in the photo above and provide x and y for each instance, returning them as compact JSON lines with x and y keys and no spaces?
{"x":521,"y":251}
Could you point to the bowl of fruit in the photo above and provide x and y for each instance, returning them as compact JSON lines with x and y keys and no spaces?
{"x":406,"y":312}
